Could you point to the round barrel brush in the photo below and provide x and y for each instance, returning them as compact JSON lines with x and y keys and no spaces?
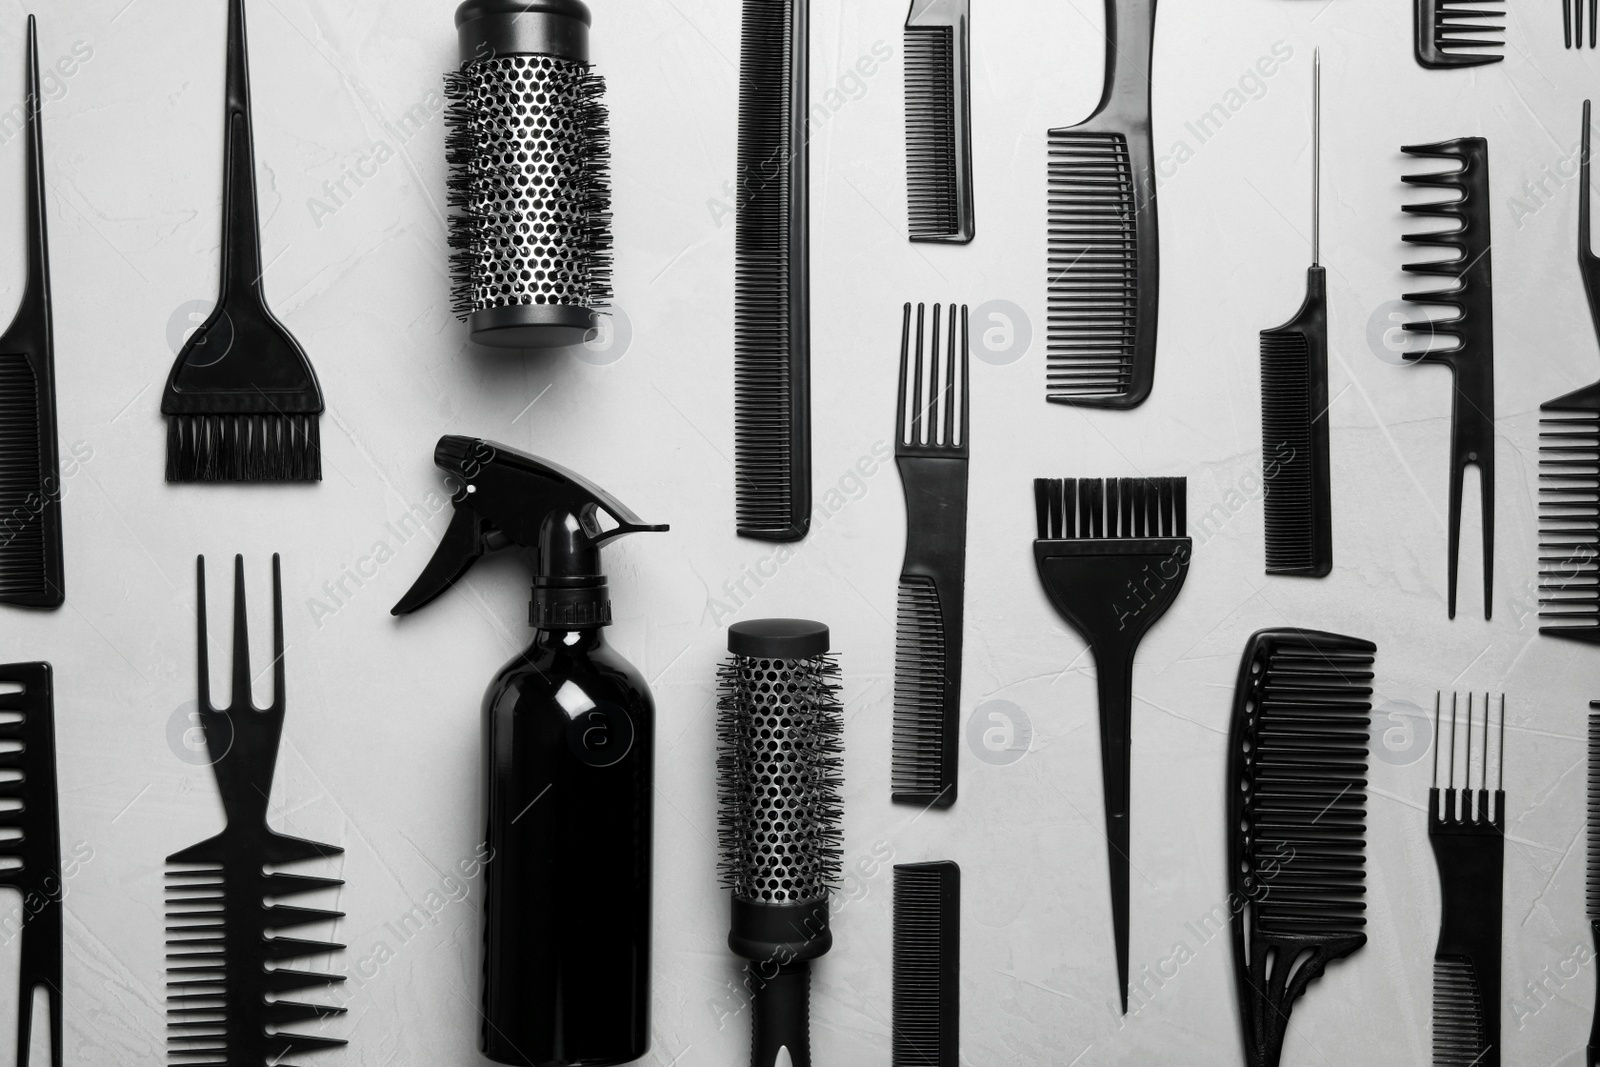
{"x":528,"y":148}
{"x":778,"y":768}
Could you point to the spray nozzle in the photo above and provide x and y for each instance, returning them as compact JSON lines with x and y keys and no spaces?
{"x":506,"y":497}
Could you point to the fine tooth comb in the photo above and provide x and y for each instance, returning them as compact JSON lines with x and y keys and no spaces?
{"x":227,"y":983}
{"x":771,"y":277}
{"x":1469,"y":845}
{"x":931,"y":451}
{"x":1104,"y":267}
{"x":1592,"y":885}
{"x":30,"y":861}
{"x":1297,"y":821}
{"x":1294,"y":407}
{"x":939,"y":121}
{"x":927,"y":964}
{"x":242,"y":402}
{"x":1569,"y":474}
{"x":1459,"y":33}
{"x":1572,"y":19}
{"x":1471,"y":359}
{"x":1112,"y":555}
{"x":31,"y":569}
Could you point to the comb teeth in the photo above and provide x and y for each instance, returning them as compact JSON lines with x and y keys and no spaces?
{"x":938,"y":122}
{"x":1088,"y":508}
{"x":1296,"y":507}
{"x":923,"y":765}
{"x":1459,"y":33}
{"x":1592,"y":894}
{"x":1458,"y":1039}
{"x":1569,"y":523}
{"x":927,"y":964}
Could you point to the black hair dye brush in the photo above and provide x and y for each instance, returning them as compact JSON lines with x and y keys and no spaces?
{"x":242,"y":402}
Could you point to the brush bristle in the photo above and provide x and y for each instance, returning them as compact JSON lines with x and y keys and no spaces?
{"x":1569,"y":523}
{"x":921,"y":765}
{"x":1288,"y":456}
{"x":927,"y":964}
{"x":1083,"y":508}
{"x":930,"y":105}
{"x":779,"y":772}
{"x":244,"y":448}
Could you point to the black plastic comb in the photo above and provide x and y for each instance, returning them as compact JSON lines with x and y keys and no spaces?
{"x":242,"y":402}
{"x":771,"y":277}
{"x":1467,"y":833}
{"x":30,"y":861}
{"x":1112,"y":556}
{"x":31,"y":567}
{"x":227,"y":979}
{"x":1294,"y":408}
{"x":931,"y":451}
{"x":1104,"y":262}
{"x":1569,"y":473}
{"x":1471,"y":358}
{"x":1458,"y":33}
{"x":939,"y":121}
{"x":1572,"y":19}
{"x":1592,"y":883}
{"x":927,"y":964}
{"x":1297,"y":809}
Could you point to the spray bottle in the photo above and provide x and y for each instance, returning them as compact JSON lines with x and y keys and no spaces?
{"x":569,"y":768}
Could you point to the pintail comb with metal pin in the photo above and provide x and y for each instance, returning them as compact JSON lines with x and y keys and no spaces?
{"x":1104,"y":265}
{"x":30,"y":858}
{"x":242,"y":402}
{"x":1297,"y":821}
{"x":1569,"y":473}
{"x":226,"y":957}
{"x":1467,"y":829}
{"x":931,"y":451}
{"x":31,"y":567}
{"x":1459,"y":33}
{"x":1471,"y":357}
{"x":1294,"y":407}
{"x":939,"y":121}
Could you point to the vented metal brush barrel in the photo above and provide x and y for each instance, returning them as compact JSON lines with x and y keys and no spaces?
{"x":528,"y":150}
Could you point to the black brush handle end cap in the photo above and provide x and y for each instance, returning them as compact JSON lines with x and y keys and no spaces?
{"x":778,"y":639}
{"x":781,"y":1008}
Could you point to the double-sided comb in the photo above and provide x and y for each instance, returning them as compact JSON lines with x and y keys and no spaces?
{"x":1294,"y":407}
{"x":226,"y":955}
{"x":771,"y":277}
{"x":242,"y":402}
{"x":1467,"y":829}
{"x":1104,"y":266}
{"x":1459,"y":33}
{"x":1592,"y":883}
{"x":31,"y":569}
{"x":1112,"y":555}
{"x":1471,"y":358}
{"x":927,"y":964}
{"x":30,"y":861}
{"x":1569,"y":473}
{"x":931,"y":451}
{"x":939,"y":121}
{"x":1572,"y":20}
{"x":1297,"y":821}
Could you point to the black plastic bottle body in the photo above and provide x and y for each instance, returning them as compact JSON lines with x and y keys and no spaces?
{"x":570,"y":731}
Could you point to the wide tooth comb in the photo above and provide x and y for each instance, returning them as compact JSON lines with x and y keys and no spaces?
{"x":1104,"y":264}
{"x":1458,"y":33}
{"x":1297,"y":764}
{"x":938,"y":121}
{"x":1471,"y":359}
{"x":223,"y":987}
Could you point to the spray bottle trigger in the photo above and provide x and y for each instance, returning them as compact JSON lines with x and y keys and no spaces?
{"x":468,"y":537}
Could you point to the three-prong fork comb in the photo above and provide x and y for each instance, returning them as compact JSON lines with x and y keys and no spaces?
{"x":1459,"y":33}
{"x":1569,"y":473}
{"x":1471,"y":359}
{"x":930,"y":448}
{"x":225,"y":958}
{"x":1104,"y":266}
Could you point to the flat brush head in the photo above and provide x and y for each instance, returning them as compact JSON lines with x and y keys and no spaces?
{"x":1458,"y":33}
{"x":1100,"y":508}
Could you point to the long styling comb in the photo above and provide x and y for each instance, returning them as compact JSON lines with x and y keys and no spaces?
{"x":226,"y":959}
{"x":1294,"y":407}
{"x":242,"y":402}
{"x":30,"y":859}
{"x":1104,"y":266}
{"x":1297,"y":809}
{"x":1471,"y":357}
{"x":939,"y":121}
{"x":1592,"y":883}
{"x":1569,"y":473}
{"x":1467,"y":829}
{"x":31,"y":568}
{"x":771,"y":277}
{"x":931,"y":450}
{"x":1458,"y":33}
{"x":1112,"y":556}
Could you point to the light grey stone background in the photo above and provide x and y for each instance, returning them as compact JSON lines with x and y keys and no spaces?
{"x":381,"y":748}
